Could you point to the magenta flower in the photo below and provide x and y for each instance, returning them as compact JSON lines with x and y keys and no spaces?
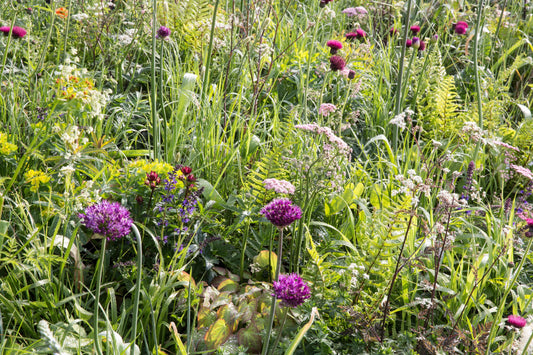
{"x":163,"y":32}
{"x":18,"y":32}
{"x":422,"y":46}
{"x":408,"y":43}
{"x":281,"y":212}
{"x":516,"y":321}
{"x":393,"y":31}
{"x":360,"y":33}
{"x":109,"y":219}
{"x":460,"y":27}
{"x":291,"y":290}
{"x":529,"y":222}
{"x":351,"y":74}
{"x":336,"y":63}
{"x":351,"y":36}
{"x":334,"y":46}
{"x":415,"y":29}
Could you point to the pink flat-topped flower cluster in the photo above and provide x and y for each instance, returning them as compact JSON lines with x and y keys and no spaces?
{"x":279,"y":186}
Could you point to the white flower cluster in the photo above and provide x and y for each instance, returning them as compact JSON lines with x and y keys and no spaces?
{"x":472,"y":130}
{"x":399,"y":120}
{"x":279,"y":186}
{"x":412,"y":184}
{"x":451,"y":200}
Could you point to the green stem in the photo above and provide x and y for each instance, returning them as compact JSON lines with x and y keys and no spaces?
{"x":273,"y":306}
{"x":285,"y":314}
{"x":155,"y":119}
{"x":97,"y":301}
{"x":397,"y":106}
{"x":205,"y":82}
{"x":243,"y":250}
{"x":476,"y":68}
{"x":4,"y":59}
{"x":137,"y":285}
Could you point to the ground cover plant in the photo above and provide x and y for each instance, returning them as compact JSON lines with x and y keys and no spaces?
{"x":266,"y":177}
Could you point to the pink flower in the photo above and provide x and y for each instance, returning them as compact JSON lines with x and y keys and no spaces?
{"x":529,"y":222}
{"x":422,"y":46}
{"x":358,"y":12}
{"x":279,"y":186}
{"x":516,"y":321}
{"x":415,"y":29}
{"x":522,"y":171}
{"x":360,"y":33}
{"x":334,"y":46}
{"x":460,"y":27}
{"x":408,"y":43}
{"x":351,"y":36}
{"x":326,"y":109}
{"x":18,"y":32}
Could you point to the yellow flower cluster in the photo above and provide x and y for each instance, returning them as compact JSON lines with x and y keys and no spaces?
{"x":6,"y":148}
{"x":142,"y":166}
{"x":35,"y":178}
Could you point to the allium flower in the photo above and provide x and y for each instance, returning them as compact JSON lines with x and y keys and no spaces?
{"x":408,"y":43}
{"x":334,"y":46}
{"x":324,"y":2}
{"x":336,"y":63}
{"x":415,"y":29}
{"x":291,"y":290}
{"x":434,"y":39}
{"x":516,"y":321}
{"x":326,"y":109}
{"x":18,"y":32}
{"x":422,"y":46}
{"x":351,"y":74}
{"x":109,"y":219}
{"x":281,"y":212}
{"x":279,"y":186}
{"x":163,"y":32}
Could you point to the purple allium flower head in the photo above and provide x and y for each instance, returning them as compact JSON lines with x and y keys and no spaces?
{"x":291,"y":290}
{"x":334,"y":46}
{"x":516,"y":321}
{"x":18,"y":32}
{"x":109,"y":219}
{"x":408,"y":43}
{"x":351,"y":74}
{"x":462,"y":24}
{"x":460,"y":30}
{"x":415,"y":42}
{"x":163,"y":32}
{"x":415,"y":29}
{"x":422,"y":46}
{"x":336,"y":63}
{"x":281,"y":212}
{"x":351,"y":36}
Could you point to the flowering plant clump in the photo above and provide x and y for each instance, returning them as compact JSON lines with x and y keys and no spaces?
{"x":326,"y":109}
{"x":291,"y":290}
{"x":281,"y":212}
{"x":109,"y":219}
{"x":279,"y":186}
{"x":516,"y":321}
{"x":6,"y":148}
{"x":18,"y":32}
{"x":36,"y":178}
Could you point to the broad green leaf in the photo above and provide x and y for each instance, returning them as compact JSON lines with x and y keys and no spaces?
{"x":250,"y":338}
{"x":217,"y":334}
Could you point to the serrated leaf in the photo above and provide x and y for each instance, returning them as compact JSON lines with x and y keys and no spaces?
{"x":250,"y":338}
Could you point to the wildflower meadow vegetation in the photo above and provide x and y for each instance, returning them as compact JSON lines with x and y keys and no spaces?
{"x":266,"y":177}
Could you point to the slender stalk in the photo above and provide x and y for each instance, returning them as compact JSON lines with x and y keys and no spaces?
{"x":274,"y":298}
{"x":397,"y":105}
{"x":153,"y":96}
{"x":4,"y":59}
{"x":243,"y":250}
{"x":205,"y":81}
{"x":285,"y":314}
{"x":476,"y":67}
{"x":97,"y":300}
{"x":137,"y":294}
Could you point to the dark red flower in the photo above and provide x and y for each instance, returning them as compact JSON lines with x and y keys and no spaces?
{"x":334,"y":46}
{"x":516,"y":321}
{"x":360,"y":33}
{"x":415,"y":29}
{"x":351,"y":36}
{"x":186,"y":170}
{"x":408,"y":43}
{"x":336,"y":63}
{"x":422,"y":46}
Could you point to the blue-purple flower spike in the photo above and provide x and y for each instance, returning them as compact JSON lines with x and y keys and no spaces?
{"x":109,"y":219}
{"x":281,"y":212}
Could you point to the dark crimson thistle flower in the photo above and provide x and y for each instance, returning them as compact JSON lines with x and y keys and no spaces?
{"x":422,"y":46}
{"x":393,"y":31}
{"x":291,"y":290}
{"x":336,"y":63}
{"x":360,"y":33}
{"x":152,"y":180}
{"x":109,"y":219}
{"x":18,"y":32}
{"x":408,"y":43}
{"x":351,"y":74}
{"x":334,"y":46}
{"x":163,"y":32}
{"x":351,"y":36}
{"x":186,"y":170}
{"x":516,"y":321}
{"x":281,"y":212}
{"x":415,"y":29}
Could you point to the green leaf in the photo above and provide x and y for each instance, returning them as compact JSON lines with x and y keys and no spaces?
{"x":228,"y":285}
{"x":217,"y":334}
{"x":302,"y":332}
{"x":525,"y":110}
{"x":251,"y":338}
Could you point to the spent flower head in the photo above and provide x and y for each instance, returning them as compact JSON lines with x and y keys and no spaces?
{"x":109,"y":219}
{"x":281,"y":212}
{"x":291,"y":290}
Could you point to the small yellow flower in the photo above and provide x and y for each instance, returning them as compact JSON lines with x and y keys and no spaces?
{"x":35,"y":178}
{"x":6,"y":148}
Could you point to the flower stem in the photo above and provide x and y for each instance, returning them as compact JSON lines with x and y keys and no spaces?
{"x":273,"y":306}
{"x":137,"y":285}
{"x":97,"y":300}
